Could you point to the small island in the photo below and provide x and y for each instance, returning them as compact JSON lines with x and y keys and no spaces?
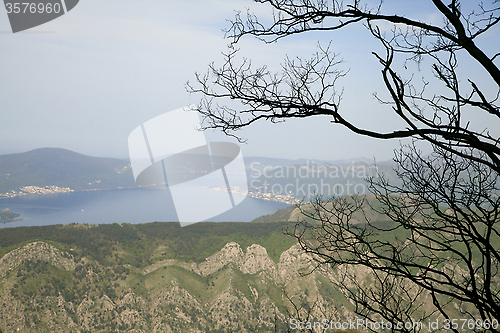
{"x":7,"y":216}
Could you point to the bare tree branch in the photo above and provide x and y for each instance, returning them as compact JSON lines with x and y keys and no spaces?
{"x":439,"y":245}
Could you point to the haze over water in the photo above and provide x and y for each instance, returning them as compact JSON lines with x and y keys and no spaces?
{"x":134,"y":205}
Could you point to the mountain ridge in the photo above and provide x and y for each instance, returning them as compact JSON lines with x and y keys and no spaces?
{"x":52,"y":286}
{"x":63,"y":168}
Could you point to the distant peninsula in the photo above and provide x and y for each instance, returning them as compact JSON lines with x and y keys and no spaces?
{"x":54,"y":170}
{"x":8,"y":216}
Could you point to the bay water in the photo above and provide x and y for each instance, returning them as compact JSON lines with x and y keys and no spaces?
{"x":133,"y":205}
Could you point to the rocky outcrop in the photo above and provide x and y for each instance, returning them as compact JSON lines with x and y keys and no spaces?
{"x":36,"y":251}
{"x":254,"y":260}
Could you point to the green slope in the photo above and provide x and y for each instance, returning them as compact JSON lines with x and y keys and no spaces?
{"x":63,"y":168}
{"x":144,"y":278}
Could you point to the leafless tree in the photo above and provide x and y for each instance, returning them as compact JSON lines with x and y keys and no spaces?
{"x":307,"y":87}
{"x":300,"y":316}
{"x":443,"y":244}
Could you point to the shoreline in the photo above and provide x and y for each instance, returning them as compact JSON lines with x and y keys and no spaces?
{"x":16,"y":220}
{"x":52,"y":189}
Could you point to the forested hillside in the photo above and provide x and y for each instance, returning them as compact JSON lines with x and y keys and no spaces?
{"x":157,"y":277}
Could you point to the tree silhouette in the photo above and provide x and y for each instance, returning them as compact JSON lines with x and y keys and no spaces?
{"x":441,"y":254}
{"x":307,"y":87}
{"x":441,"y":251}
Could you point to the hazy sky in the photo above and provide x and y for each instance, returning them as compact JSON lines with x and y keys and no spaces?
{"x":85,"y":80}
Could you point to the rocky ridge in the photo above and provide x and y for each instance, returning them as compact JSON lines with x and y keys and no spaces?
{"x":232,"y":290}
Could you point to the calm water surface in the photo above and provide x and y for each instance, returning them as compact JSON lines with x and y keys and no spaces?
{"x":134,"y":205}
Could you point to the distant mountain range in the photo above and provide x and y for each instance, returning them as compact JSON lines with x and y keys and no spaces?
{"x":287,"y":162}
{"x":289,"y":180}
{"x":274,"y":177}
{"x":64,"y":168}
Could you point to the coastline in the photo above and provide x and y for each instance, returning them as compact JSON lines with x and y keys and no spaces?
{"x":7,"y":216}
{"x":50,"y":189}
{"x":16,"y":220}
